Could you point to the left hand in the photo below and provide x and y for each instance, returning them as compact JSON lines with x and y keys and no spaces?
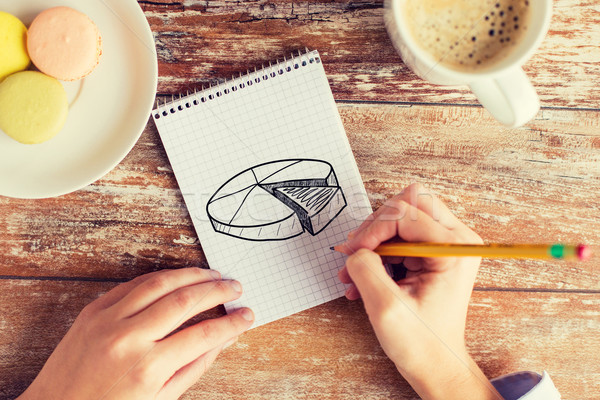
{"x":121,"y":346}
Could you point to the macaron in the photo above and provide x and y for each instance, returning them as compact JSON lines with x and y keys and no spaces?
{"x":13,"y":45}
{"x":33,"y":107}
{"x":64,"y":43}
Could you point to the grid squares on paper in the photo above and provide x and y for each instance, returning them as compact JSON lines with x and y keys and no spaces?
{"x":289,"y":116}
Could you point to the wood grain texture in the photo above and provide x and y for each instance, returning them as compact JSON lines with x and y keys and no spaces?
{"x":202,"y":42}
{"x":328,"y":352}
{"x":534,"y":184}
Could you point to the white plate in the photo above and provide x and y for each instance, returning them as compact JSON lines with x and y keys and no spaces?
{"x":108,"y":110}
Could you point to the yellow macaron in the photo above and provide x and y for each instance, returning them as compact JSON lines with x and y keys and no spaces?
{"x":13,"y":45}
{"x":33,"y":107}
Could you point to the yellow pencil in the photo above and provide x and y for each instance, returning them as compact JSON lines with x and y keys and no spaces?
{"x":493,"y":250}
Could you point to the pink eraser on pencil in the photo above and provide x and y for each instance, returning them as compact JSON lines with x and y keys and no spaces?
{"x":583,"y":252}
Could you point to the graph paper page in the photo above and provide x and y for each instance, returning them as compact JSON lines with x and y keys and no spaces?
{"x":270,"y":182}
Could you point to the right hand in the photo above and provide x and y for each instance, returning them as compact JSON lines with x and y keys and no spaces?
{"x":419,"y":320}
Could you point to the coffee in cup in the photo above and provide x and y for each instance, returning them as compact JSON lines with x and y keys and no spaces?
{"x":479,"y":43}
{"x":467,"y":35}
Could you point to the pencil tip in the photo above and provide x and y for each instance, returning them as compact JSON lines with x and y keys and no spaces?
{"x":332,"y":248}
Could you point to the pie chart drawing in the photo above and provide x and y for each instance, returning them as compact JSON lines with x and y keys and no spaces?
{"x":277,"y":200}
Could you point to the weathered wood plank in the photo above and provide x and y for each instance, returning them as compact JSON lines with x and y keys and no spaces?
{"x":535,"y":184}
{"x":512,"y":331}
{"x":538,"y":183}
{"x":202,"y":42}
{"x":35,"y":315}
{"x":532,"y":184}
{"x":329,"y":351}
{"x":131,"y":222}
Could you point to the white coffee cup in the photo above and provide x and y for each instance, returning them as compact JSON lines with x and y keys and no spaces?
{"x":503,"y":88}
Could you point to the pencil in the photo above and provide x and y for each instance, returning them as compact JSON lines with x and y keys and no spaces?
{"x":492,"y":250}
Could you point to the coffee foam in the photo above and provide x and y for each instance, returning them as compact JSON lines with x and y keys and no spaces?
{"x":467,"y":35}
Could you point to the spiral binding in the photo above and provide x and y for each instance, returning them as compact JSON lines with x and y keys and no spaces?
{"x":272,"y":71}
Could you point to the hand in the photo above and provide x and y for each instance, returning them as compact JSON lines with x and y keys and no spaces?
{"x":119,"y":346}
{"x":419,"y":320}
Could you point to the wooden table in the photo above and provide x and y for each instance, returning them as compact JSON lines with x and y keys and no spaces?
{"x":533,"y":184}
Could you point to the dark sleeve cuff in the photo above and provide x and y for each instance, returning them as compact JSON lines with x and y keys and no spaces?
{"x":526,"y":385}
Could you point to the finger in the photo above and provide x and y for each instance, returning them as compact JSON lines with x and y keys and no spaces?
{"x":414,"y":264}
{"x":164,"y":316}
{"x":118,"y":292}
{"x":352,"y":293}
{"x":343,"y":276}
{"x":344,"y":247}
{"x":401,"y":220}
{"x":419,"y":196}
{"x":409,"y":193}
{"x":373,"y":283}
{"x":365,"y":224}
{"x":188,"y":375}
{"x":185,"y":346}
{"x":392,"y":260}
{"x":160,"y":285}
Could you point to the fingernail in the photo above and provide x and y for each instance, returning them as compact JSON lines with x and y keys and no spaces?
{"x":215,"y":274}
{"x":247,"y":314}
{"x":351,"y":293}
{"x":226,"y":345}
{"x":235,"y":285}
{"x":351,"y":235}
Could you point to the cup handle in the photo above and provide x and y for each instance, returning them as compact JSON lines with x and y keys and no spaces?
{"x":510,"y":98}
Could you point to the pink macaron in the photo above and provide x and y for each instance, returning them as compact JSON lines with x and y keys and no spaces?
{"x":64,"y":43}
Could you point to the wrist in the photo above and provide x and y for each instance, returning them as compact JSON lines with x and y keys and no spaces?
{"x":431,"y":354}
{"x":451,"y":374}
{"x":28,"y":394}
{"x":39,"y":389}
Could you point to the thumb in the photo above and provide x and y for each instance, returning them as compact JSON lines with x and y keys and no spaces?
{"x":377,"y":289}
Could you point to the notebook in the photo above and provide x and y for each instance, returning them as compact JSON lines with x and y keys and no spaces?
{"x":270,"y":182}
